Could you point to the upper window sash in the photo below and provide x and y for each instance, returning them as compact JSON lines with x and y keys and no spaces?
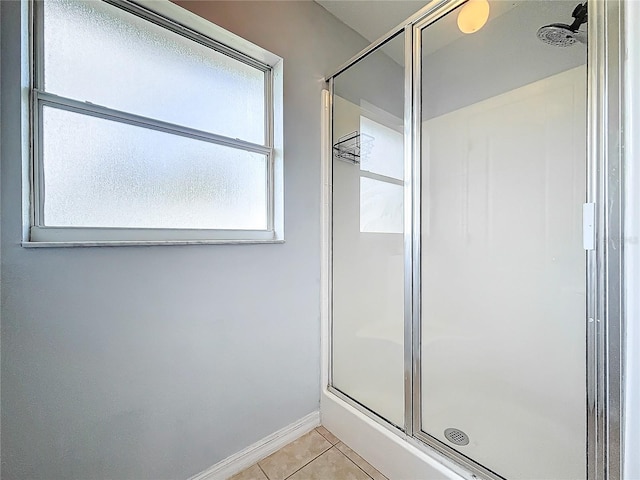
{"x":176,"y":27}
{"x":139,"y":11}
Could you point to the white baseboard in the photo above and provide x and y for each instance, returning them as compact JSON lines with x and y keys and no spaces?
{"x":259,"y":450}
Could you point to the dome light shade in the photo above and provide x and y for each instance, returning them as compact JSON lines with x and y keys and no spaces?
{"x":473,"y":15}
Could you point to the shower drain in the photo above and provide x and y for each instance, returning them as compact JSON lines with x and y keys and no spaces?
{"x":456,"y":436}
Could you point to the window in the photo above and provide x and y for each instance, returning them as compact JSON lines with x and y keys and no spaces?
{"x":381,"y":178}
{"x":146,"y":130}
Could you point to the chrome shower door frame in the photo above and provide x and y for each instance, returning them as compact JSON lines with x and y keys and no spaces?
{"x":604,"y":282}
{"x":605,"y":264}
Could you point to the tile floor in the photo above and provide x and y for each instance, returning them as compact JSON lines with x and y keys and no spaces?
{"x":318,"y":455}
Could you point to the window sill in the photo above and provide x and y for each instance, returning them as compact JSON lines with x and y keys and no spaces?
{"x":123,"y":237}
{"x":144,"y":243}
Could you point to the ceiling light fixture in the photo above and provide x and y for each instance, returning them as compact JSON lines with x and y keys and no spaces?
{"x":473,"y":15}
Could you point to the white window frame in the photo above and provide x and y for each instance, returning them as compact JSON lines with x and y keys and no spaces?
{"x":181,"y":21}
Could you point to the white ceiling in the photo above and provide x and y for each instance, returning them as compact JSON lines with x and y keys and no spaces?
{"x":372,"y":19}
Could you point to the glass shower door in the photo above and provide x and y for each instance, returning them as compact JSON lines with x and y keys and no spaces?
{"x":503,"y":171}
{"x":367,"y":232}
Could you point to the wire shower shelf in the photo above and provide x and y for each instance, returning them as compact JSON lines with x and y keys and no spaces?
{"x":352,"y":146}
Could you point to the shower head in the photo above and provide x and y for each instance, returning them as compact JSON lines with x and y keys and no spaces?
{"x":561,"y":35}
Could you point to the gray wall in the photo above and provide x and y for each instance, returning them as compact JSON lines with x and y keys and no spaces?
{"x":157,"y":362}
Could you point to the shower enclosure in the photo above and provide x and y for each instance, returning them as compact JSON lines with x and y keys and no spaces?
{"x":463,"y":237}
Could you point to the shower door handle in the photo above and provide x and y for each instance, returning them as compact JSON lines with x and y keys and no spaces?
{"x":589,"y":226}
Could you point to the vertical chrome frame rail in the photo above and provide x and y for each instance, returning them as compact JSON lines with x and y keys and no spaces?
{"x":416,"y":198}
{"x":605,"y":288}
{"x":329,"y":245}
{"x":410,"y":242}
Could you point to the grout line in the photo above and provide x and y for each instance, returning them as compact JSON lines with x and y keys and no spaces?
{"x":356,"y":463}
{"x":333,"y":445}
{"x":312,"y":460}
{"x":263,"y":472}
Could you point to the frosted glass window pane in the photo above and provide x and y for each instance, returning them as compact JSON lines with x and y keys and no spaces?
{"x":382,"y":149}
{"x":380,"y":206}
{"x":99,"y":53}
{"x":99,"y":173}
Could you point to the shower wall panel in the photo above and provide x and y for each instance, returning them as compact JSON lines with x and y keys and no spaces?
{"x":503,"y":278}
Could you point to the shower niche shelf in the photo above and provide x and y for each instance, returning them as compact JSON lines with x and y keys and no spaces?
{"x":352,"y":146}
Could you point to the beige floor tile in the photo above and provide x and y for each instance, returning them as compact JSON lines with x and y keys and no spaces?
{"x":331,"y":438}
{"x":331,"y":465}
{"x":251,"y":473}
{"x":292,"y":457}
{"x":361,"y":462}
